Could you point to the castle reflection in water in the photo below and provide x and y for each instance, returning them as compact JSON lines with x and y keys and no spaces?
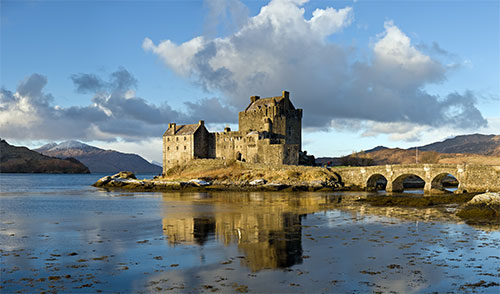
{"x":266,"y":226}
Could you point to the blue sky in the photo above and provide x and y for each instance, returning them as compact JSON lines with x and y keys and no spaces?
{"x":366,"y":73}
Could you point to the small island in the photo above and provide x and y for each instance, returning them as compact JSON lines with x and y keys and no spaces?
{"x":265,"y":155}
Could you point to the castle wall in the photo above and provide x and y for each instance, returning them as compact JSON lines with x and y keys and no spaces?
{"x":286,"y":121}
{"x":211,"y":145}
{"x":177,"y":149}
{"x":201,"y":145}
{"x":279,"y":153}
{"x":270,"y":131}
{"x":254,"y":119}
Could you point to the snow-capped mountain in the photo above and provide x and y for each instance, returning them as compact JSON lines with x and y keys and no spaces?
{"x":99,"y":160}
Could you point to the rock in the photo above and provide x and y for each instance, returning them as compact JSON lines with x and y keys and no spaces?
{"x":482,"y":208}
{"x":276,"y":186}
{"x":488,"y":198}
{"x":102,"y":181}
{"x":258,"y":182}
{"x":199,"y":182}
{"x":117,"y":180}
{"x":316,"y":184}
{"x":124,"y":175}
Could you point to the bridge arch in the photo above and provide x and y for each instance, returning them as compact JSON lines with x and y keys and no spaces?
{"x":437,"y":183}
{"x":398,"y":184}
{"x":376,"y":182}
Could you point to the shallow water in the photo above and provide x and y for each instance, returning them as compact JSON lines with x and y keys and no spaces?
{"x":60,"y":234}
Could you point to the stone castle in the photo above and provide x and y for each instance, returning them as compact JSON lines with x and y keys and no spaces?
{"x":270,"y":131}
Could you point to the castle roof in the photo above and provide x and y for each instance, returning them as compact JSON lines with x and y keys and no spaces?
{"x":182,"y":130}
{"x":263,"y":102}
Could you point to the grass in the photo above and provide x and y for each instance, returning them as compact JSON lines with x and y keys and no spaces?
{"x":237,"y":172}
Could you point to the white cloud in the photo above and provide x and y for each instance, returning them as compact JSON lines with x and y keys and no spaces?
{"x":280,"y":49}
{"x":115,"y":112}
{"x":176,"y":57}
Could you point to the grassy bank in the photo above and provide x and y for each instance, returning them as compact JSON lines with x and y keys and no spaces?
{"x":227,"y":172}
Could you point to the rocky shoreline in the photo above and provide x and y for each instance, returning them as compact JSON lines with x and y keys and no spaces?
{"x":128,"y":181}
{"x":474,"y":209}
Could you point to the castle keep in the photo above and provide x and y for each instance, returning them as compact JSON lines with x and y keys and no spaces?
{"x":269,"y":132}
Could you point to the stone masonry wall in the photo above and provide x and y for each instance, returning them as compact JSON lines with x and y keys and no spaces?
{"x":177,"y":149}
{"x":270,"y":131}
{"x":471,"y":178}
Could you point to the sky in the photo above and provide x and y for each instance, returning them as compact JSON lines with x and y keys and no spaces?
{"x":113,"y":74}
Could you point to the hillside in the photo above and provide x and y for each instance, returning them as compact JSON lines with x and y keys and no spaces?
{"x":473,"y":144}
{"x":99,"y":160}
{"x":473,"y":149}
{"x":23,"y":160}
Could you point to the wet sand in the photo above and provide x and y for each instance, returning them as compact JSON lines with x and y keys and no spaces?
{"x":96,"y":241}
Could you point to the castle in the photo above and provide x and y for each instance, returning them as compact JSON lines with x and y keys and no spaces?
{"x":269,"y":132}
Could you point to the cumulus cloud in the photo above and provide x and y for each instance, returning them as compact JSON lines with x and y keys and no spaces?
{"x":224,"y":16}
{"x":113,"y":112}
{"x":279,"y":48}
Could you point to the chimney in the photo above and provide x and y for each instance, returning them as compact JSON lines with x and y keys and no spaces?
{"x":286,"y":94}
{"x":254,"y":98}
{"x":201,"y":123}
{"x":173,"y":126}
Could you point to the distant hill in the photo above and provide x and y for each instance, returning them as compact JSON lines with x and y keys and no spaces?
{"x":99,"y":160}
{"x":476,"y":148}
{"x":23,"y":160}
{"x":474,"y":144}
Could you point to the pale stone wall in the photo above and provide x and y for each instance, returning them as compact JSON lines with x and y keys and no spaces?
{"x":177,"y":149}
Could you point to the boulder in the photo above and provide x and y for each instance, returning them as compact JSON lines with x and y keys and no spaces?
{"x":124,"y":175}
{"x":258,"y":182}
{"x":116,"y":180}
{"x":102,"y":181}
{"x":198,"y":182}
{"x":482,"y":208}
{"x":488,"y":198}
{"x":317,"y":184}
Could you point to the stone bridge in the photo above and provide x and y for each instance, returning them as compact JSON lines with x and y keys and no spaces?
{"x":471,"y":177}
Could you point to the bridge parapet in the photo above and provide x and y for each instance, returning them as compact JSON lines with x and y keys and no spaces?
{"x":471,"y":177}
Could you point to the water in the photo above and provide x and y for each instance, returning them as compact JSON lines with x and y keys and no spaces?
{"x":60,"y":234}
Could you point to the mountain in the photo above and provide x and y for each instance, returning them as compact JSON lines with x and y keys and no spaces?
{"x":99,"y":160}
{"x":23,"y":160}
{"x":474,"y":144}
{"x":475,"y":148}
{"x":154,"y":162}
{"x":378,"y":148}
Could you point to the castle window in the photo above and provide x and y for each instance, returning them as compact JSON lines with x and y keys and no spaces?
{"x":177,"y":139}
{"x":168,"y":148}
{"x":184,"y":147}
{"x":184,"y":138}
{"x":168,"y":139}
{"x":177,"y":147}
